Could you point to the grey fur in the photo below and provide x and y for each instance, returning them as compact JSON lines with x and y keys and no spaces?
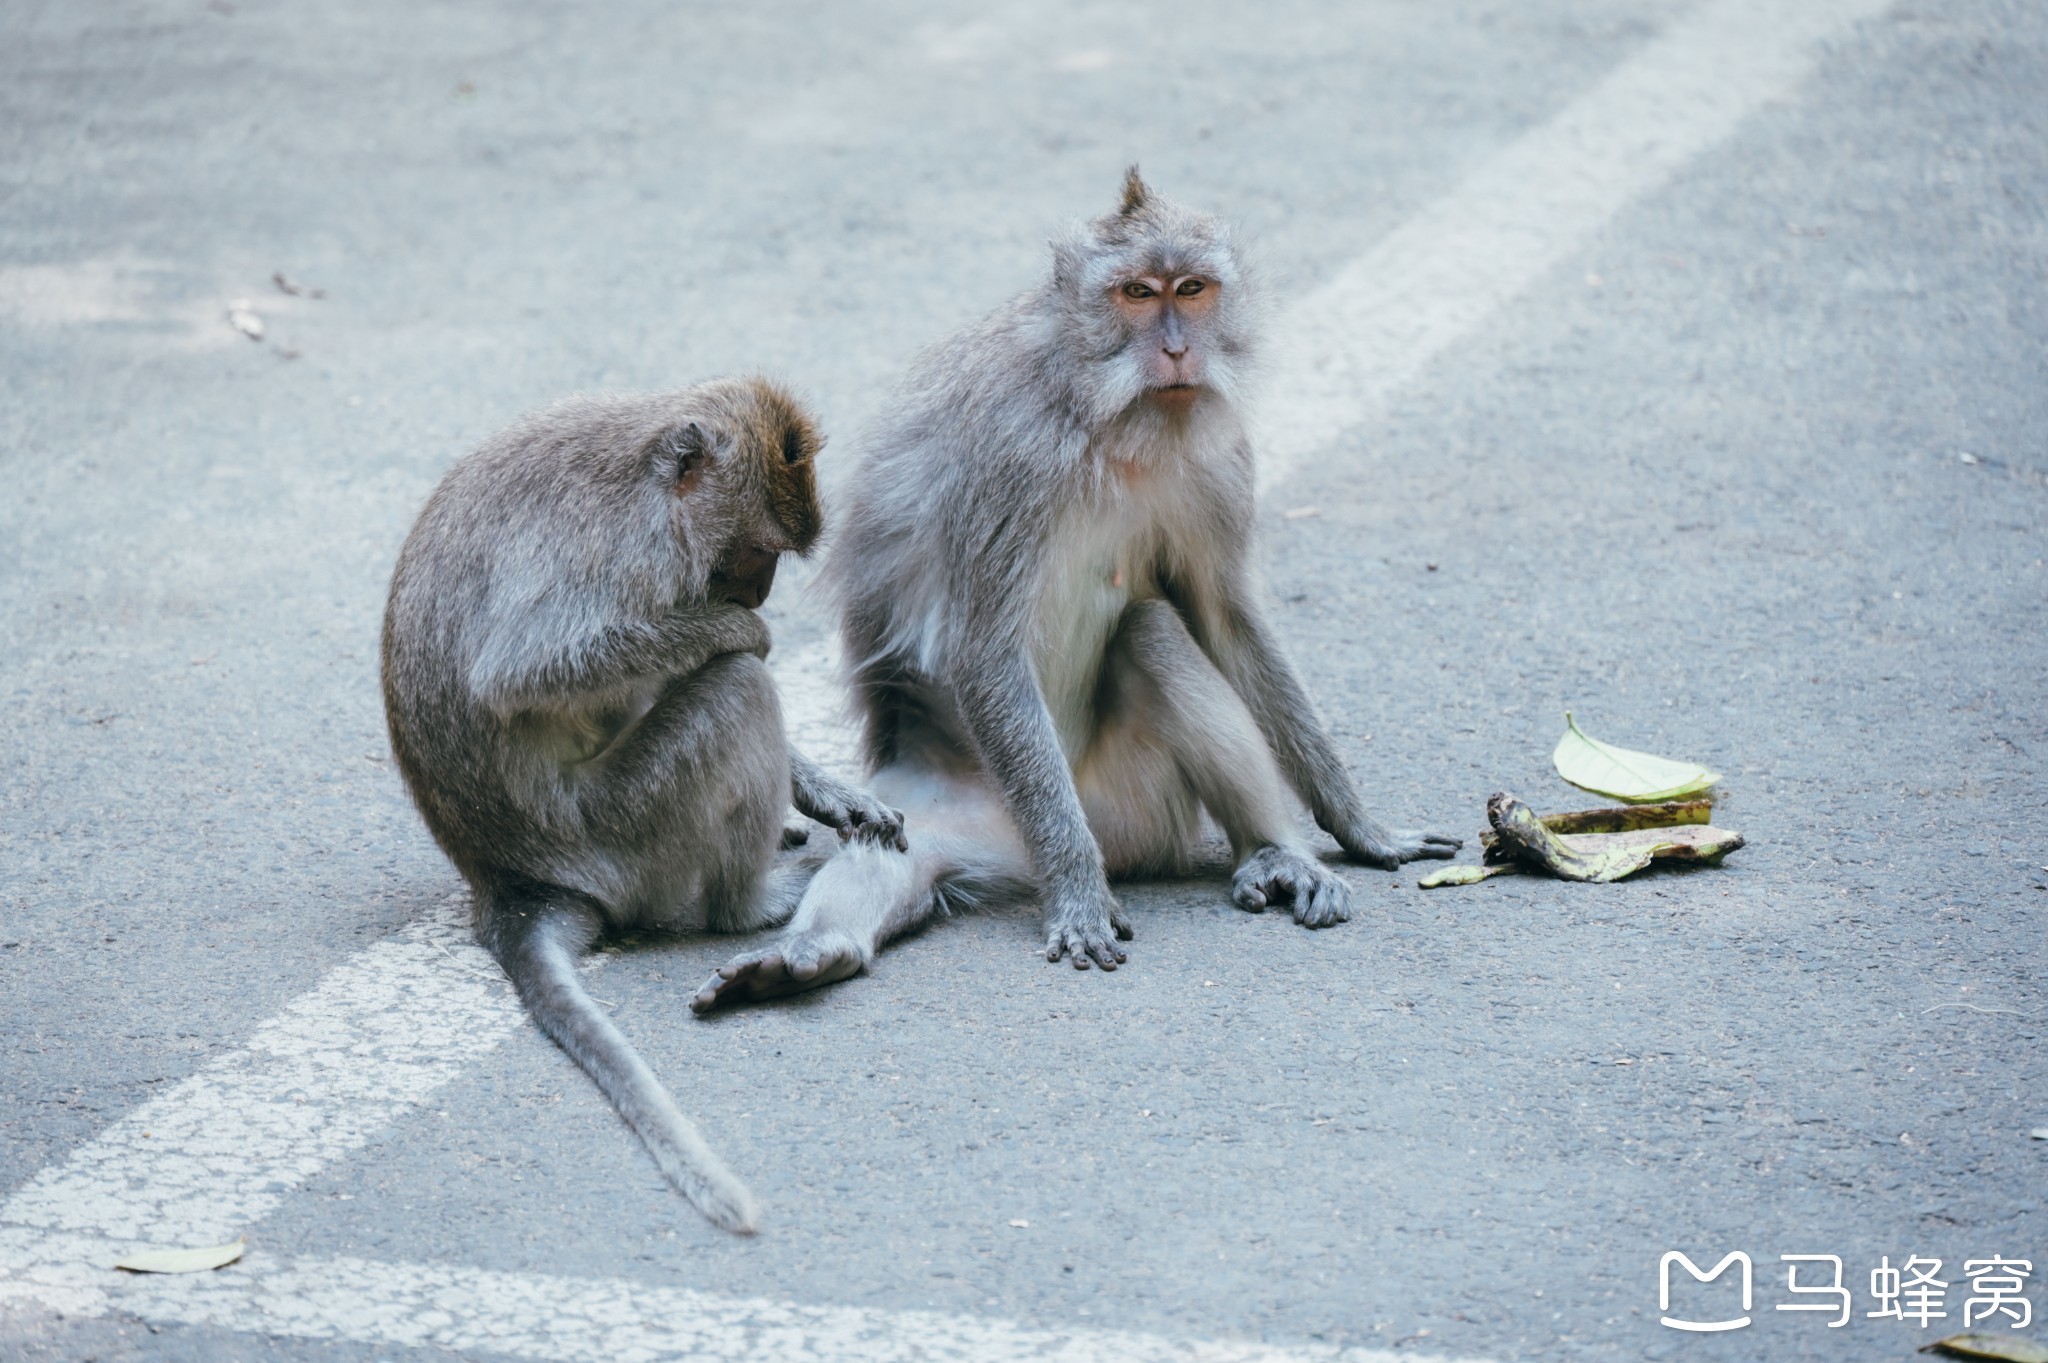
{"x":1047,"y":608}
{"x":574,"y":684}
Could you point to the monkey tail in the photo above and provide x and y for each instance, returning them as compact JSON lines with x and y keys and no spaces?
{"x":537,"y":936}
{"x":970,"y":884}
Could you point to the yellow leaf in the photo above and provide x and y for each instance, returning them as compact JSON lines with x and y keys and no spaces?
{"x":1464,"y":875}
{"x":1636,"y":777}
{"x":183,"y":1260}
{"x":2008,"y":1349}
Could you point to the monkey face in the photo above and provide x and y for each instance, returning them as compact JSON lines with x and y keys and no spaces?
{"x":1167,"y":316}
{"x":1156,"y":306}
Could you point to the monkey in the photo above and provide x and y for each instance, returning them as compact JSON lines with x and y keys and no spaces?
{"x":577,"y":699}
{"x":1046,"y":607}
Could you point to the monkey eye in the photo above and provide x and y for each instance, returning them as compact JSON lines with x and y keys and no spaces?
{"x":1138,"y":288}
{"x":1188,"y":288}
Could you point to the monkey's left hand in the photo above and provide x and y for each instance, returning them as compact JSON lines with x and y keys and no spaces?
{"x":1387,"y":848}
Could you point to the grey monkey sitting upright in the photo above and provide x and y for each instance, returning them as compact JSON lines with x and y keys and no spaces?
{"x":1056,"y":645}
{"x":574,"y":684}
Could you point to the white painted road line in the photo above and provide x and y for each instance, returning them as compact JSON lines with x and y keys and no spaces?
{"x":211,"y":1157}
{"x":203,"y":1161}
{"x":577,"y":1320}
{"x":1350,"y":346}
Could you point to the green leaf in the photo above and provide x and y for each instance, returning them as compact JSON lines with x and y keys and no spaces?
{"x":1636,"y":777}
{"x":183,"y":1260}
{"x":2011,"y":1349}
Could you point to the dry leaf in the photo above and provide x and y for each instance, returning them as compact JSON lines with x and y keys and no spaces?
{"x":1600,"y":857}
{"x":295,"y":289}
{"x":1626,"y":819}
{"x":183,"y":1260}
{"x":1466,"y":875}
{"x":1637,"y":777}
{"x":2007,"y":1348}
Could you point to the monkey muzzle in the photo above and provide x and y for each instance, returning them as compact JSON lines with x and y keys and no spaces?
{"x":747,"y":579}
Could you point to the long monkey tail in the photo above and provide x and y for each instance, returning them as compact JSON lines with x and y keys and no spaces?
{"x":537,"y":936}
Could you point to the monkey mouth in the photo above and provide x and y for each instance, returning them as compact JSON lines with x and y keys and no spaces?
{"x":747,"y":580}
{"x":1176,"y":394}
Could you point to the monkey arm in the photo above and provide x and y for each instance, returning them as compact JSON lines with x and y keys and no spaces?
{"x":676,"y":645}
{"x":832,"y":802}
{"x":1005,"y":715}
{"x":1235,"y":637}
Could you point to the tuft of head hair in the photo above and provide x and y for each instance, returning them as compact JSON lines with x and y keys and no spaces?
{"x":1137,"y":194}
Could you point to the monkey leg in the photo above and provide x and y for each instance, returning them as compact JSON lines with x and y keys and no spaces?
{"x":686,"y":809}
{"x":963,"y":850}
{"x":1165,"y":698}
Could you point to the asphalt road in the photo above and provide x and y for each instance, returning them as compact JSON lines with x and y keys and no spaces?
{"x":1754,"y":470}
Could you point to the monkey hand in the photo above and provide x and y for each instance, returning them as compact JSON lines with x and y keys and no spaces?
{"x":852,"y":811}
{"x":1366,"y":841}
{"x":1277,"y":875}
{"x":804,"y":960}
{"x":868,"y":820}
{"x":1087,"y":930}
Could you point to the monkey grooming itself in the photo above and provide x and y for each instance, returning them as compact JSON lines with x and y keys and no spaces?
{"x":574,"y":683}
{"x":1057,"y":650}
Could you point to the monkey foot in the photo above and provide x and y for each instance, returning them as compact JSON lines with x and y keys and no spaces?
{"x":1277,"y":875}
{"x":791,"y":966}
{"x":1091,"y":941}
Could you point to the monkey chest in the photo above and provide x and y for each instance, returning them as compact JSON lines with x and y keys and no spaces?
{"x":1093,"y":578}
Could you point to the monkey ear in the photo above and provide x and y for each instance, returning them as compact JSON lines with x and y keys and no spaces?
{"x":680,"y":456}
{"x":1137,"y":195}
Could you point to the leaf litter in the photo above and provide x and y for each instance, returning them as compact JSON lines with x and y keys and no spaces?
{"x":2007,"y":1349}
{"x":183,"y":1260}
{"x":1593,"y":845}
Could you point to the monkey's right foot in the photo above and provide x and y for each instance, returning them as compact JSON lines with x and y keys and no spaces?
{"x":804,"y":961}
{"x":1274,"y":875}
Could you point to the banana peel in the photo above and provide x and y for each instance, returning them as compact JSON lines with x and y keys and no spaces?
{"x":1593,"y":845}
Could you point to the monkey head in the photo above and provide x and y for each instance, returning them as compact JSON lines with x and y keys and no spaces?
{"x":1160,"y":302}
{"x":741,"y":484}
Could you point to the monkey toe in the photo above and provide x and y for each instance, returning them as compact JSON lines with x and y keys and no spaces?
{"x":1323,"y":905}
{"x":1417,"y":845}
{"x":1087,"y":946}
